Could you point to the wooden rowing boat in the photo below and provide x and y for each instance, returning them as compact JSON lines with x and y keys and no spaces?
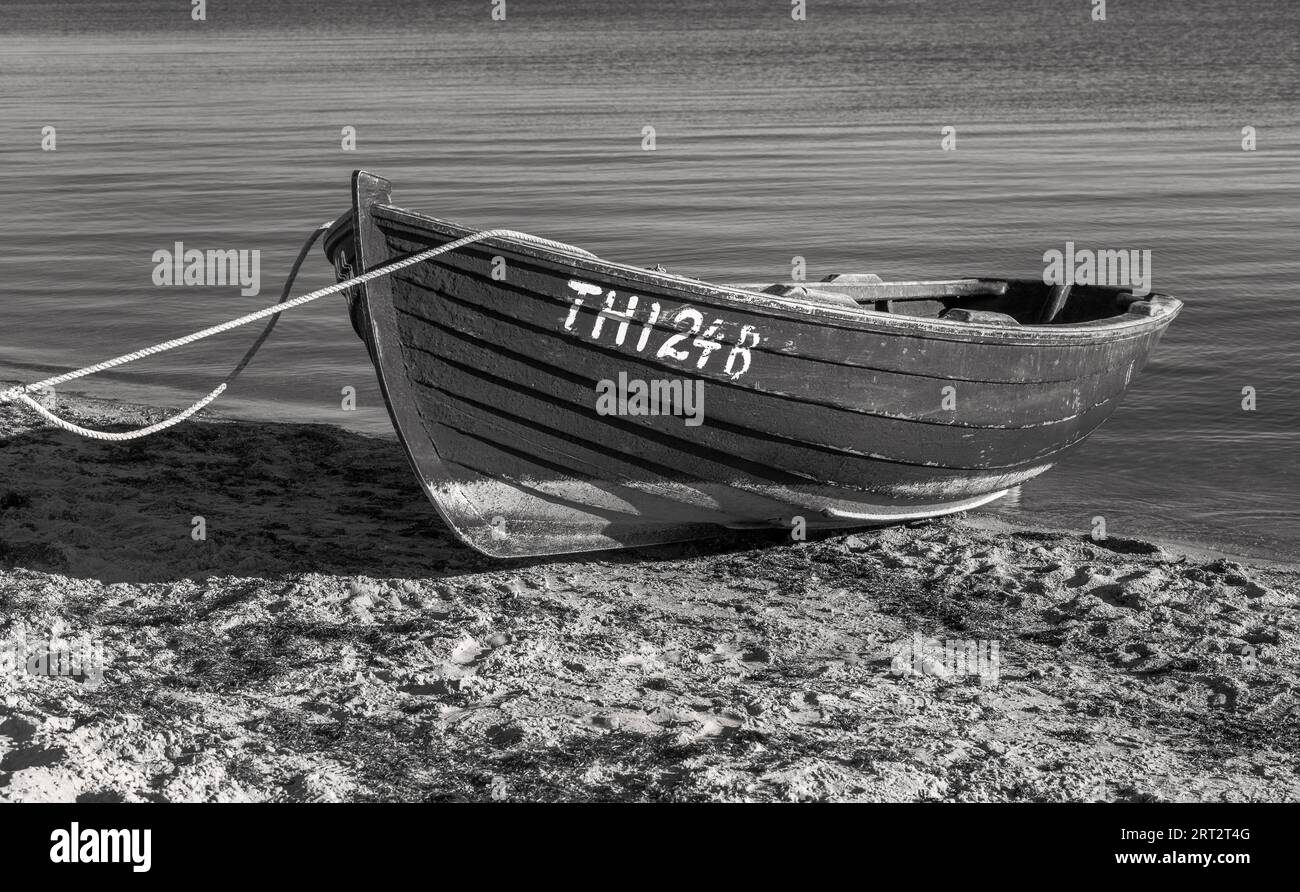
{"x":848,"y":402}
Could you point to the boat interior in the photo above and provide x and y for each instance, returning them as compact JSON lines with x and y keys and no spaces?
{"x":999,"y":302}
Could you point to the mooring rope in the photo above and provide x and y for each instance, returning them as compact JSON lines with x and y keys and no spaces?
{"x":20,"y":393}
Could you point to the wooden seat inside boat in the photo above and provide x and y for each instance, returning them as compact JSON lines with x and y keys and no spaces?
{"x":998,"y":302}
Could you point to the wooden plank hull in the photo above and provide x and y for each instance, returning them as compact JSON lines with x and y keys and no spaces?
{"x":501,"y":363}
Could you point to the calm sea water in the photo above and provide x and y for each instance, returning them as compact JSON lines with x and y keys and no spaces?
{"x":774,"y":139}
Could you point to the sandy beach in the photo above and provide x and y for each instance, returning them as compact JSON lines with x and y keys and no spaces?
{"x":327,"y":640}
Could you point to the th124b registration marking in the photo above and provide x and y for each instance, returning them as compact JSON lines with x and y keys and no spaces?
{"x":692,"y":335}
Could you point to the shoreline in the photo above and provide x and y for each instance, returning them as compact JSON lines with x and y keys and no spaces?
{"x":1199,"y":551}
{"x":327,"y":640}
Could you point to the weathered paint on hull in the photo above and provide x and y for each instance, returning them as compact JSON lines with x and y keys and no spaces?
{"x":838,"y":417}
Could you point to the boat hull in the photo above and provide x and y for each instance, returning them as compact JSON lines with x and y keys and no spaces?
{"x":516,"y":377}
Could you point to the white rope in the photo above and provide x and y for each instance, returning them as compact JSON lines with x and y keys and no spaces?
{"x":19,"y":393}
{"x":117,"y":436}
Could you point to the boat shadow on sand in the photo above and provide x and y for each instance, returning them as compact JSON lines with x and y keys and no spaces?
{"x":230,"y":499}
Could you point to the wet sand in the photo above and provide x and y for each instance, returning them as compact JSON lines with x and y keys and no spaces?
{"x":328,"y":640}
